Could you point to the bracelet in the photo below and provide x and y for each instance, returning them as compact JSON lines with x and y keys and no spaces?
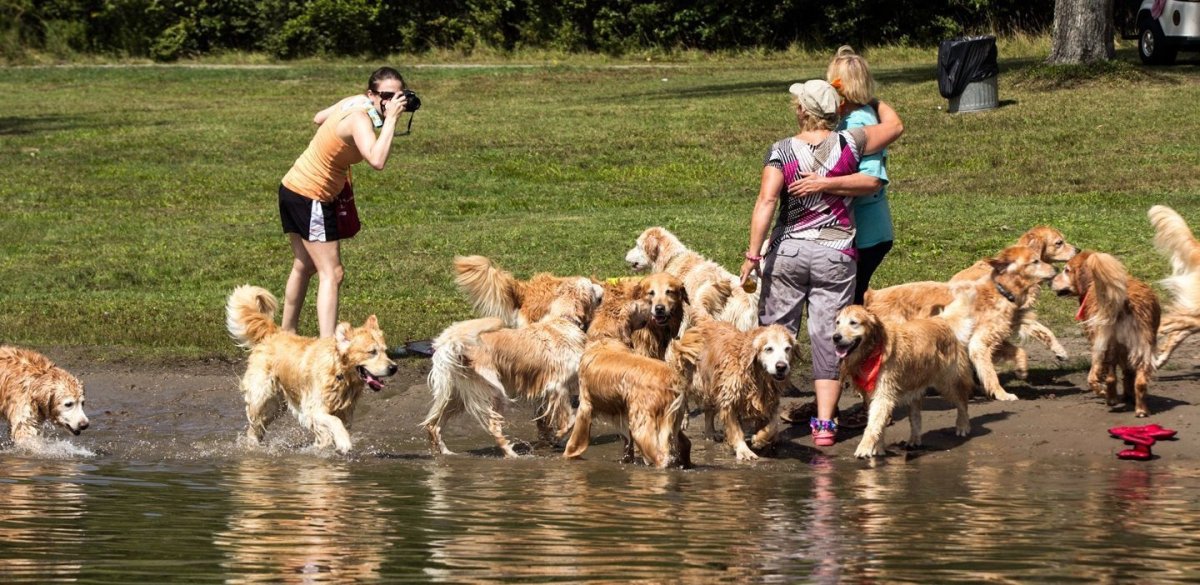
{"x":753,"y":258}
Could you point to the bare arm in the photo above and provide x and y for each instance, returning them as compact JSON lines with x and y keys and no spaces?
{"x":323,"y":114}
{"x":760,"y":218}
{"x":855,"y":185}
{"x":375,"y":150}
{"x":880,"y":135}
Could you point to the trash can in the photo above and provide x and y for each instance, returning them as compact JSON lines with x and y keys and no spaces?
{"x":967,"y":73}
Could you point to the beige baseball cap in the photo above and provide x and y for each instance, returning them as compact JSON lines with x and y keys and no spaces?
{"x":817,"y":97}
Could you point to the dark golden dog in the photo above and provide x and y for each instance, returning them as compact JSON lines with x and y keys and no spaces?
{"x":33,"y":390}
{"x":1120,"y":315}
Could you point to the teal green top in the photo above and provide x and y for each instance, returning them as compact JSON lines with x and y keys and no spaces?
{"x":872,"y":218}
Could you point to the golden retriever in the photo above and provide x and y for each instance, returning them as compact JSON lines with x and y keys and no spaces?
{"x":658,"y":250}
{"x":738,"y":377}
{"x":319,"y":380}
{"x":479,"y":364}
{"x":1120,"y":315}
{"x":1051,"y":246}
{"x":891,"y":363}
{"x":33,"y":391}
{"x":1174,"y":239}
{"x":497,"y":293}
{"x":1000,"y":296}
{"x":642,"y":393}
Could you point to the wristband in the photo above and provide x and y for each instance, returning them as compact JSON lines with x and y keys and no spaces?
{"x":753,"y":258}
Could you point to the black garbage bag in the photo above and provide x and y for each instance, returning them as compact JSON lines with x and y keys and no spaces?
{"x":963,"y":60}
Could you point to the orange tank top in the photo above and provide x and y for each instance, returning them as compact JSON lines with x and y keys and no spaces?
{"x":322,"y":169}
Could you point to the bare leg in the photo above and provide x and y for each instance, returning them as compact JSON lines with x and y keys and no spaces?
{"x":302,"y":272}
{"x":327,"y":258}
{"x":828,"y":392}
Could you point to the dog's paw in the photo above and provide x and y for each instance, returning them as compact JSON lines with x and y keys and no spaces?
{"x":1007,"y":397}
{"x":1060,"y":354}
{"x":865,"y":451}
{"x":962,"y":431}
{"x":745,"y":454}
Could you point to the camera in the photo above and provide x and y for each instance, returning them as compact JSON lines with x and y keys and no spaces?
{"x":414,"y":103}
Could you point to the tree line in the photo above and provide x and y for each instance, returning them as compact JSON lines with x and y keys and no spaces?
{"x":166,"y":30}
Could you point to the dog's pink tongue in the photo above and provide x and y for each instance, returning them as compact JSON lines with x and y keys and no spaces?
{"x":373,"y":382}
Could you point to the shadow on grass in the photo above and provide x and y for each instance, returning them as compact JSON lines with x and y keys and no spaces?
{"x":24,"y":125}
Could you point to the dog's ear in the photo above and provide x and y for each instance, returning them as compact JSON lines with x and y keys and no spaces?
{"x":999,"y":264}
{"x":1036,"y":240}
{"x":683,"y":296}
{"x":371,"y":323}
{"x":342,"y":336}
{"x":650,"y":243}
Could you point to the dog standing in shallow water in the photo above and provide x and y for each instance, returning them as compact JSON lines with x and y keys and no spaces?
{"x":892,"y":363}
{"x":319,"y":380}
{"x":33,"y":390}
{"x":1120,"y":315}
{"x":738,"y":375}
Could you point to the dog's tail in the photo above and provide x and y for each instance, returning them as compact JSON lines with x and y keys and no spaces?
{"x":1110,"y":285}
{"x":1174,"y":239}
{"x":250,"y":315}
{"x":740,"y":307}
{"x":449,"y":365}
{"x":492,"y":291}
{"x":960,"y":313}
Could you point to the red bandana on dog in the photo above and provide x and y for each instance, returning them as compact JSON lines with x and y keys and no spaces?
{"x":868,"y":371}
{"x":1082,"y":313}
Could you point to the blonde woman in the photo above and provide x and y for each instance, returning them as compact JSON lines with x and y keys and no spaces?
{"x":810,"y":260}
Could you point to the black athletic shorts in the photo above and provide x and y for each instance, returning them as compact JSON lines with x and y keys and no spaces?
{"x":313,"y":220}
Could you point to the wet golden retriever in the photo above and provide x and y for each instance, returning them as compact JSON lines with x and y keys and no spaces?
{"x":1051,"y":246}
{"x":319,"y":380}
{"x":33,"y":391}
{"x":1120,"y":315}
{"x":479,"y":365}
{"x":737,"y":377}
{"x":643,"y":394}
{"x":1174,"y":239}
{"x":495,"y":292}
{"x":892,"y":363}
{"x":658,"y":250}
{"x":997,"y":310}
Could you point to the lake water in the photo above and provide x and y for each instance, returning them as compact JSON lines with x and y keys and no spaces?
{"x":207,"y":511}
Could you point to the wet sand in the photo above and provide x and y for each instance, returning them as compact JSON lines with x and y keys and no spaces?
{"x":182,"y":409}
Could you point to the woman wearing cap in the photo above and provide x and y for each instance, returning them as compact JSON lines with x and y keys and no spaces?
{"x":810,"y":258}
{"x":316,"y":203}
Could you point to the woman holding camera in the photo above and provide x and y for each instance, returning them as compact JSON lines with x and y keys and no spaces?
{"x":316,"y":200}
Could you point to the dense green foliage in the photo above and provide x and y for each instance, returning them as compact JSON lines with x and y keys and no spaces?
{"x":168,"y":29}
{"x":136,"y":197}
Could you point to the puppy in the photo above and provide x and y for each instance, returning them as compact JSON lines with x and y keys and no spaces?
{"x":479,"y":364}
{"x":738,"y":377}
{"x":497,"y":293}
{"x":1174,"y":239}
{"x":1051,"y":246}
{"x":658,"y":250}
{"x":319,"y":380}
{"x":1120,"y":315}
{"x":997,"y":310}
{"x":641,"y":393}
{"x":33,"y":390}
{"x":892,"y":363}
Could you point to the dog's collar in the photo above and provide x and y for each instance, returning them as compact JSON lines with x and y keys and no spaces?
{"x":1005,"y":292}
{"x":1082,"y":313}
{"x":867,"y":375}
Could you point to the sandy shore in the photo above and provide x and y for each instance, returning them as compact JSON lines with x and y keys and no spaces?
{"x":197,"y":403}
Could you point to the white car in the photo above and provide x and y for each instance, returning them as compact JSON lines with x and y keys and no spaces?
{"x":1163,"y":28}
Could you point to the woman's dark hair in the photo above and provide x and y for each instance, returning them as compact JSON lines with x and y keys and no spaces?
{"x":384,"y":73}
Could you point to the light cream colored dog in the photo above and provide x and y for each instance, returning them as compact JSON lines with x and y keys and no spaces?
{"x":1174,"y":239}
{"x":997,"y":310}
{"x":738,"y":377}
{"x":641,"y":393}
{"x":319,"y":380}
{"x":480,"y":365}
{"x":658,"y":250}
{"x":892,"y":363}
{"x":33,"y":391}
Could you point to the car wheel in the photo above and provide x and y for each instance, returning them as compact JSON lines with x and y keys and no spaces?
{"x":1152,"y":46}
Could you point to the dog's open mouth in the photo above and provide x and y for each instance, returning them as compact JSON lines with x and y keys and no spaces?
{"x":374,"y":382}
{"x":662,"y":319}
{"x":845,"y":347}
{"x":780,"y":375}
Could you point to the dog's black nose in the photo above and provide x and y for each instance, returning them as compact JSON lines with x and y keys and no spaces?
{"x":781,"y":366}
{"x":84,"y":425}
{"x":392,"y":370}
{"x":837,"y":337}
{"x":660,"y":310}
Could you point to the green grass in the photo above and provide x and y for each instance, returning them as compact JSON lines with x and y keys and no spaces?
{"x":136,"y":197}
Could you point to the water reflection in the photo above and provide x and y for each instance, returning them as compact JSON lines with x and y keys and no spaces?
{"x":42,"y":508}
{"x":311,"y":523}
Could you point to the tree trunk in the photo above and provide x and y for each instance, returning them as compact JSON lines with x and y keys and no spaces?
{"x":1083,"y":32}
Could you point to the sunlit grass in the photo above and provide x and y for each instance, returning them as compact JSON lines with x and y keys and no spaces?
{"x":136,"y":198}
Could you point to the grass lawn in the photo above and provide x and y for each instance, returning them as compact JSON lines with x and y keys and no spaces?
{"x":135,"y":198}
